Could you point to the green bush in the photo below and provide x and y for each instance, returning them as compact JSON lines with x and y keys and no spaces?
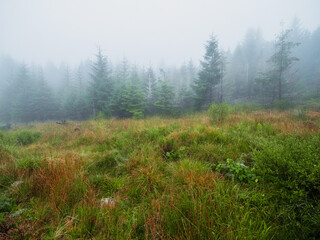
{"x":237,"y":171}
{"x":219,"y":112}
{"x":292,"y":165}
{"x":174,"y":155}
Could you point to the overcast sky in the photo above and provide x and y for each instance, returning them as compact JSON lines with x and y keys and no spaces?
{"x":145,"y":31}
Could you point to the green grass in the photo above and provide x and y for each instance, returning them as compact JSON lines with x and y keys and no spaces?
{"x":241,"y":175}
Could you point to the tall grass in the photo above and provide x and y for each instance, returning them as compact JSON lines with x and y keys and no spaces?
{"x":251,"y":175}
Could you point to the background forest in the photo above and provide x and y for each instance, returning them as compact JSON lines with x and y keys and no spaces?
{"x":282,"y":74}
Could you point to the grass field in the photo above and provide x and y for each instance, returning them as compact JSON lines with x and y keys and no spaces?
{"x":250,"y":175}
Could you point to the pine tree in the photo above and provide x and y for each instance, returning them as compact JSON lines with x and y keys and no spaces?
{"x":82,"y":103}
{"x":67,"y":96}
{"x":6,"y":101}
{"x":132,"y":102}
{"x":164,"y":98}
{"x":22,"y":102}
{"x":149,"y":90}
{"x":185,"y":99}
{"x":191,"y":73}
{"x":252,"y":53}
{"x":45,"y":106}
{"x":123,"y":72}
{"x":280,"y":64}
{"x":101,"y":86}
{"x":209,"y":76}
{"x":315,"y":62}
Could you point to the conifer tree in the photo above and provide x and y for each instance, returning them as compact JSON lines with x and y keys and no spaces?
{"x":164,"y":98}
{"x":149,"y":90}
{"x":101,"y":86}
{"x":132,"y":102}
{"x":45,"y":105}
{"x":209,"y":76}
{"x":280,"y":63}
{"x":22,"y":102}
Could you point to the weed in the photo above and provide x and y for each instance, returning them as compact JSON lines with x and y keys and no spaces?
{"x":237,"y":171}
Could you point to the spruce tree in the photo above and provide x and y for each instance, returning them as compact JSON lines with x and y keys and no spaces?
{"x":22,"y":100}
{"x":101,"y":86}
{"x":132,"y":102}
{"x":149,"y":90}
{"x":280,"y":63}
{"x":164,"y":98}
{"x":209,"y":76}
{"x":45,"y":105}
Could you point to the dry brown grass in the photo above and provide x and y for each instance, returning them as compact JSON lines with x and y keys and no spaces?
{"x":55,"y":179}
{"x":199,"y":179}
{"x":283,"y":122}
{"x":153,"y":222}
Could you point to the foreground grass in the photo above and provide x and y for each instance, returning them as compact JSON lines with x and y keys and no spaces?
{"x":253,"y":176}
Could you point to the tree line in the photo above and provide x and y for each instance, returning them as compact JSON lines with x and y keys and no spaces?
{"x":285,"y":71}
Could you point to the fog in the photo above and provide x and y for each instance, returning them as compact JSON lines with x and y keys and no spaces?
{"x":79,"y":60}
{"x":145,"y":31}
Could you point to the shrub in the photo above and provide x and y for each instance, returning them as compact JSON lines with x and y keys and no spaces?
{"x":237,"y":171}
{"x":291,"y":164}
{"x":219,"y":112}
{"x":174,"y":155}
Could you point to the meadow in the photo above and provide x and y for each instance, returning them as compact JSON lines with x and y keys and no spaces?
{"x":215,"y":175}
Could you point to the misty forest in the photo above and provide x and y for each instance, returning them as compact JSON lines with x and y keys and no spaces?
{"x":224,"y":146}
{"x":280,"y":73}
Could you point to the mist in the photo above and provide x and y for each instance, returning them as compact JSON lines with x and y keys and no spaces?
{"x":146,"y":32}
{"x":133,"y":59}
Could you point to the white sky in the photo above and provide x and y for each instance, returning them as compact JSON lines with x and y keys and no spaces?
{"x":145,"y":31}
